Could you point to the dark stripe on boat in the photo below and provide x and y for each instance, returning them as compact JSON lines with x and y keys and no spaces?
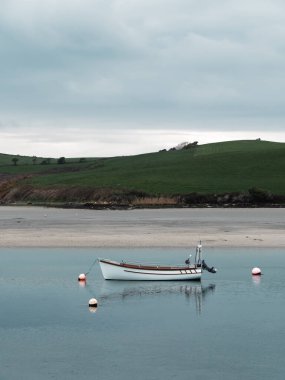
{"x":147,"y":267}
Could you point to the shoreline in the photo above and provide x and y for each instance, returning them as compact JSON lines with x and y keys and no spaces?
{"x":29,"y":226}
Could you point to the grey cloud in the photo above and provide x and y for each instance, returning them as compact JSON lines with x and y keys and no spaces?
{"x":186,"y":62}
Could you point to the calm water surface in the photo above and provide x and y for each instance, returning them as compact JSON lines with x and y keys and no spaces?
{"x":229,"y":326}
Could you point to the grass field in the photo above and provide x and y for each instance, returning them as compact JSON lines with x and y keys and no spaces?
{"x":210,"y":168}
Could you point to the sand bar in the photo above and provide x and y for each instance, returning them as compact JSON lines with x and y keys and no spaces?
{"x":53,"y":227}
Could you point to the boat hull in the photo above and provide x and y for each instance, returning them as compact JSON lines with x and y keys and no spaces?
{"x":116,"y":271}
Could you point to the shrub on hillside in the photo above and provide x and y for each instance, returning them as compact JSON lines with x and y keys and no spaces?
{"x":61,"y":160}
{"x":258,"y":195}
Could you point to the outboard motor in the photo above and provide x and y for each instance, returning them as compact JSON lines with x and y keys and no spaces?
{"x":205,"y":266}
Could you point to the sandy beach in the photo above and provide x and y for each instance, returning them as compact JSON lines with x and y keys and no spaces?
{"x":48,"y":227}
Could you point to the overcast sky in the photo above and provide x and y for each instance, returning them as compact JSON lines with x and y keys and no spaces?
{"x":119,"y":77}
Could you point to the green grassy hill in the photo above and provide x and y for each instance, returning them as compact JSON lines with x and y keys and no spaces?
{"x":234,"y":166}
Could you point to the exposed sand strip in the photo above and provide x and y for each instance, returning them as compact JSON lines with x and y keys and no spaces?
{"x":47,"y":227}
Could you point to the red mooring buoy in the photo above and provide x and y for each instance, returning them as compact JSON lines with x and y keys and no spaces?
{"x":256,"y":271}
{"x":82,"y":277}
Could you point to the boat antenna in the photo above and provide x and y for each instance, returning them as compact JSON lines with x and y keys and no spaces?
{"x":199,"y":253}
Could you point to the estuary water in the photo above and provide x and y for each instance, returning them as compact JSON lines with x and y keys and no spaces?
{"x":230,"y":326}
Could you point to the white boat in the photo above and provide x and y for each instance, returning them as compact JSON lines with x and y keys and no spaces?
{"x":113,"y":270}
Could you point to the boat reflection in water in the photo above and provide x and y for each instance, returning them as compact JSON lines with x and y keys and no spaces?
{"x":196,"y":293}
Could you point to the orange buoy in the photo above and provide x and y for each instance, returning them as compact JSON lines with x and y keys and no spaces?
{"x":256,"y":271}
{"x":82,"y":277}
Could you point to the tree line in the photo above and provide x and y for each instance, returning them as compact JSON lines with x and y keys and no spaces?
{"x":46,"y":161}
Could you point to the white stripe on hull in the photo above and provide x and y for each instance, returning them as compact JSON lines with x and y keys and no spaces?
{"x":114,"y":272}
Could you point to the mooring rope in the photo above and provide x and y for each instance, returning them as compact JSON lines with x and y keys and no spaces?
{"x":92,"y":265}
